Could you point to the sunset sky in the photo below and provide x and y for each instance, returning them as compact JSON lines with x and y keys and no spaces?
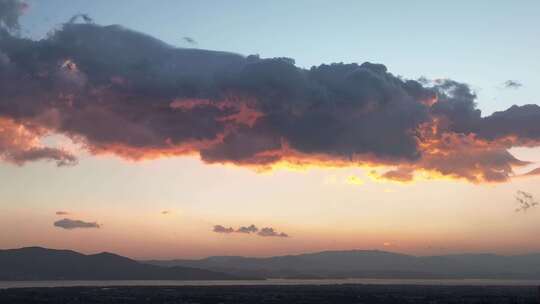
{"x":151,"y":164}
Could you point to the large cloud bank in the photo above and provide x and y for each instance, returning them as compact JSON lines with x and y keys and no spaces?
{"x":116,"y":91}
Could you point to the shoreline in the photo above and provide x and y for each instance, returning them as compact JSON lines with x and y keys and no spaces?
{"x":277,"y":294}
{"x":264,"y":283}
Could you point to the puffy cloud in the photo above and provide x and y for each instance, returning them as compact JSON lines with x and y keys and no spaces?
{"x":518,"y":126}
{"x":249,"y":229}
{"x":75,"y":224}
{"x":268,"y":231}
{"x":121,"y":92}
{"x":222,"y":229}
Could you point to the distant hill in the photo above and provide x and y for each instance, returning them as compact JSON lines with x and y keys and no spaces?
{"x":35,"y":263}
{"x":371,"y":264}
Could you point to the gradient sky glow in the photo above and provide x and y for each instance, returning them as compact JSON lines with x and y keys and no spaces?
{"x":483,"y":43}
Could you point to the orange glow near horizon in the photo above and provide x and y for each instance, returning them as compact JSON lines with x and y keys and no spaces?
{"x":435,"y":150}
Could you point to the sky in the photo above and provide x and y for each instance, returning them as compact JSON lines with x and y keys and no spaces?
{"x":139,"y":198}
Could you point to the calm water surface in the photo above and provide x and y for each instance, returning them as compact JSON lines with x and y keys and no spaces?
{"x":471,"y":282}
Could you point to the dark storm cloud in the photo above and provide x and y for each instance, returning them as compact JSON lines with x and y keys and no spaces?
{"x":122,"y":92}
{"x":519,"y":122}
{"x":75,"y":224}
{"x":512,"y":84}
{"x":222,"y":229}
{"x":131,"y":74}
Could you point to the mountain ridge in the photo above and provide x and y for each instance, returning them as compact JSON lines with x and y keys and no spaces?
{"x":38,"y":263}
{"x":371,"y":263}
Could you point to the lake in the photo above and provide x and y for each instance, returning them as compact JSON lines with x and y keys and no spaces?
{"x":449,"y":282}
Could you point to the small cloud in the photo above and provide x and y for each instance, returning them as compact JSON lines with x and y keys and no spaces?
{"x":221,"y":229}
{"x":249,"y":229}
{"x":268,"y":231}
{"x":189,"y":40}
{"x":354,"y":180}
{"x":165,"y":212}
{"x":387,"y":244}
{"x":74,"y":224}
{"x":62,"y":213}
{"x":525,"y":201}
{"x":84,"y":17}
{"x":397,"y":175}
{"x":512,"y":84}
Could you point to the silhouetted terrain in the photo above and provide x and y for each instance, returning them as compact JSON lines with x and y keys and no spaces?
{"x":35,"y":263}
{"x":373,"y":264}
{"x":339,"y":294}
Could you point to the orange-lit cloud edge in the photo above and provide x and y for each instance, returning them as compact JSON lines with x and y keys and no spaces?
{"x":444,"y":155}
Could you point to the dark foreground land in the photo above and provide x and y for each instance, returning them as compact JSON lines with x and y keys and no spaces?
{"x":345,"y":294}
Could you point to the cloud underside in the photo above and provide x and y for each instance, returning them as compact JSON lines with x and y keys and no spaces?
{"x":70,"y":224}
{"x":120,"y":92}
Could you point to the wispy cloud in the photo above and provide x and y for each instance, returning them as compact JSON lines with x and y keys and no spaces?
{"x":62,"y":213}
{"x":512,"y":84}
{"x":189,"y":40}
{"x":525,"y":201}
{"x":75,"y":224}
{"x":84,"y":17}
{"x":535,"y":171}
{"x":251,"y":229}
